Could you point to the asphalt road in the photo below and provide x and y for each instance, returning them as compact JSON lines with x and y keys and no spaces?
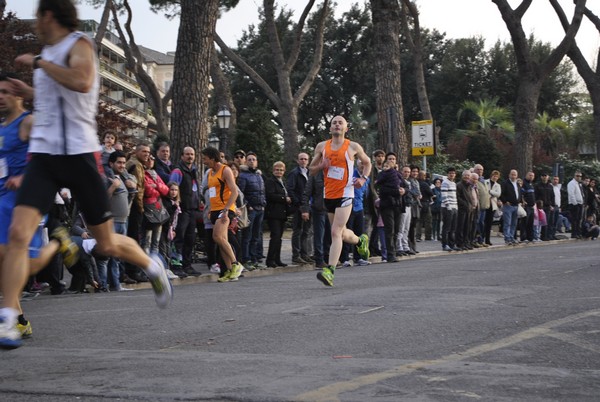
{"x":503,"y":324}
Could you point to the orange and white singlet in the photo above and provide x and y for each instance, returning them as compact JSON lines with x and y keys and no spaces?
{"x":338,"y":176}
{"x":218,"y":191}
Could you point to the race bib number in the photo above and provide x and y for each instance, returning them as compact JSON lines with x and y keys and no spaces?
{"x":3,"y":168}
{"x":335,"y":173}
{"x":212,"y":192}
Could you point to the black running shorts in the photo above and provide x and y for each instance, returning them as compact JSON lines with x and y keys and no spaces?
{"x":214,"y":215}
{"x":45,"y":174}
{"x":334,"y":203}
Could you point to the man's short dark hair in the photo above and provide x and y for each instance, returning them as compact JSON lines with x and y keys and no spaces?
{"x":251,"y":153}
{"x":391,"y":153}
{"x":451,"y":169}
{"x":112,"y":158}
{"x":162,"y":144}
{"x":212,"y":153}
{"x":378,"y":152}
{"x":413,"y":167}
{"x":64,"y":11}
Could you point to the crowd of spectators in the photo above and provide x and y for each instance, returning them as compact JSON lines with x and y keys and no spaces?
{"x":160,"y":202}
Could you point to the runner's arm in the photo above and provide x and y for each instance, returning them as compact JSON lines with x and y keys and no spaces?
{"x":78,"y":76}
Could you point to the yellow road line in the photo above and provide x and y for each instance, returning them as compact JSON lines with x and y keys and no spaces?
{"x":331,"y":392}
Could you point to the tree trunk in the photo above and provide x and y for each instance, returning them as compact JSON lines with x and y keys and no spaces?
{"x":525,"y":113}
{"x":414,"y":43}
{"x":223,"y":97}
{"x":289,"y":125}
{"x":390,"y":113}
{"x":191,"y":78}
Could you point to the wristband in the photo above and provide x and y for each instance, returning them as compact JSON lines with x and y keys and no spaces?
{"x":36,"y":59}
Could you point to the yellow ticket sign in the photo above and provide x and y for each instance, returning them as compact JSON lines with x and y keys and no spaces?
{"x":423,"y":140}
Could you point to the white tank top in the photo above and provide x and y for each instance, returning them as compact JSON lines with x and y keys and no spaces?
{"x":64,"y":120}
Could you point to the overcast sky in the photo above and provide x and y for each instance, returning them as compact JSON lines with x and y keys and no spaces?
{"x":458,"y":18}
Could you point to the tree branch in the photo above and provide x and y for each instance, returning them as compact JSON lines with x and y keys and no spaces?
{"x":249,"y":71}
{"x":298,"y":35}
{"x":317,"y":57}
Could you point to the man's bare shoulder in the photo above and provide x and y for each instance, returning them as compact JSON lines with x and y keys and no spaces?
{"x":356,"y":147}
{"x":320,"y":145}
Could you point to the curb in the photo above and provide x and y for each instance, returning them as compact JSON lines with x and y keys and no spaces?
{"x":211,"y":277}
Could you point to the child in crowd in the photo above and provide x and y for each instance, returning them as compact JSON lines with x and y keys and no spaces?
{"x":589,"y":229}
{"x":539,"y":220}
{"x":381,"y":232}
{"x":108,"y":146}
{"x":172,"y":201}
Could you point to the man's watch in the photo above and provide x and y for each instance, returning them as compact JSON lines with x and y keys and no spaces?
{"x":36,"y":59}
{"x":364,"y":177}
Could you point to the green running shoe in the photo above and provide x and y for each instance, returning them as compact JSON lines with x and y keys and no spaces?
{"x":363,"y":247}
{"x":326,"y":276}
{"x":68,"y":249}
{"x":226,"y":277}
{"x":236,"y":271}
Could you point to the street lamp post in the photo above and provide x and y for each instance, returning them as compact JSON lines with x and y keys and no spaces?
{"x":214,"y":140}
{"x":223,"y":119}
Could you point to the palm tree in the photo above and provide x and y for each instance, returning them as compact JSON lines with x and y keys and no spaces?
{"x":483,"y":116}
{"x":550,"y":133}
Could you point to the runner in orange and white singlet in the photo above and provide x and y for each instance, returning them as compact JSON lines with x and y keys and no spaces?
{"x":222,"y":192}
{"x":336,"y":158}
{"x":338,"y":175}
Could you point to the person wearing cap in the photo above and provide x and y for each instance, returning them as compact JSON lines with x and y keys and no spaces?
{"x":545,"y":192}
{"x":239,"y":157}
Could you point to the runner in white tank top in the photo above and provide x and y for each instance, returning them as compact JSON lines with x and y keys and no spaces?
{"x":64,"y":153}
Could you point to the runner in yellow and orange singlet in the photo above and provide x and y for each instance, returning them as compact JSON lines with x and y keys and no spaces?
{"x":222,"y":192}
{"x":336,"y":158}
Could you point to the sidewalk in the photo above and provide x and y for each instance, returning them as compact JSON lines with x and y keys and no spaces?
{"x":426,"y":248}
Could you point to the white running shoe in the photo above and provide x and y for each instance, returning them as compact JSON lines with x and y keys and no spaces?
{"x":215,"y":268}
{"x":163,"y":290}
{"x":362,"y":263}
{"x":10,"y":336}
{"x":171,"y":275}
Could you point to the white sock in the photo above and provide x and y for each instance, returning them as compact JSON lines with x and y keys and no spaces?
{"x":154,"y":269}
{"x":10,"y":315}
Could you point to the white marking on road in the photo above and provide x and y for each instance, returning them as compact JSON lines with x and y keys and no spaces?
{"x":332,"y":392}
{"x":370,"y":310}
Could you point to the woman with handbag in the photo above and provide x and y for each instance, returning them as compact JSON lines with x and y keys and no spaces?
{"x":275,"y":213}
{"x":155,"y":213}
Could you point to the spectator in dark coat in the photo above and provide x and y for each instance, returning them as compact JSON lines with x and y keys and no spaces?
{"x":278,"y":201}
{"x":301,"y":229}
